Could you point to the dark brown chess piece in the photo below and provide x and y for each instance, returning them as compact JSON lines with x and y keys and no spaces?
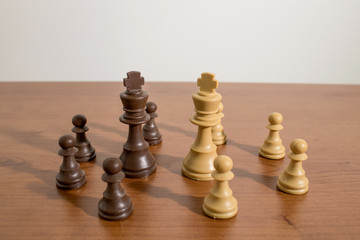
{"x":150,"y":130}
{"x":138,"y":162}
{"x":115,"y":204}
{"x":86,"y":151}
{"x":70,"y":176}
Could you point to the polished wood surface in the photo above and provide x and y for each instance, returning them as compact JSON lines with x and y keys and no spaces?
{"x":167,"y":205}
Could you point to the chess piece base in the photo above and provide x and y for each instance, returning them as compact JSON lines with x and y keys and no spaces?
{"x":219,"y":215}
{"x":140,"y":174}
{"x":153,"y":142}
{"x":272,"y":156}
{"x":218,"y":142}
{"x":196,"y":176}
{"x":290,"y":190}
{"x":86,"y":158}
{"x":71,"y":186}
{"x":122,"y":214}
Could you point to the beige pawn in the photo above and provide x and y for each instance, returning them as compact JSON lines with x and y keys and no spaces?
{"x":220,"y":203}
{"x":272,"y":147}
{"x":293,"y":179}
{"x":199,"y":162}
{"x":218,"y":135}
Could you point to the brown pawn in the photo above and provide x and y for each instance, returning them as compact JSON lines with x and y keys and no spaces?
{"x":86,"y":152}
{"x":150,"y":130}
{"x":115,"y":204}
{"x":137,"y":160}
{"x":70,"y":176}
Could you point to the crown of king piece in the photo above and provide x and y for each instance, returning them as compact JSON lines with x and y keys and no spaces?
{"x":207,"y":82}
{"x":133,"y":81}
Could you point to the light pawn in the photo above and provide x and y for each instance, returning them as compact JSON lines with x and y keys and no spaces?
{"x":272,"y":148}
{"x":218,"y":134}
{"x":293,"y":179}
{"x":220,"y":203}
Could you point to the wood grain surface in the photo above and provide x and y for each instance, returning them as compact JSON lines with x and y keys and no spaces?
{"x":167,"y":205}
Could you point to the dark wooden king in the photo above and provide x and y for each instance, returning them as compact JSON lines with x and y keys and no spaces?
{"x":137,"y":160}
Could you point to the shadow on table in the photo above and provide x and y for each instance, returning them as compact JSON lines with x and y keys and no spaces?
{"x":193,"y":203}
{"x":171,"y":163}
{"x":176,"y":129}
{"x":110,"y":129}
{"x":254,"y":150}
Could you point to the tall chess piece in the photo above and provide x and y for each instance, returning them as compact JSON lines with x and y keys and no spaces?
{"x":86,"y":151}
{"x":293,"y":179}
{"x":220,"y":203}
{"x":115,"y":204}
{"x":272,"y":147}
{"x":137,"y":160}
{"x":150,"y":130}
{"x":70,"y":176}
{"x":199,"y":162}
{"x":218,"y":134}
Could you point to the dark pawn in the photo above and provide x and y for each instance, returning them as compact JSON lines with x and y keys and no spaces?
{"x":70,"y":176}
{"x":115,"y":204}
{"x":150,"y":130}
{"x":86,"y":151}
{"x":137,"y":160}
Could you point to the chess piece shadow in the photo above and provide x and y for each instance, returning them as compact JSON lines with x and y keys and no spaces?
{"x":268,"y":181}
{"x":254,"y":150}
{"x":177,"y":129}
{"x":171,"y":163}
{"x":109,"y":129}
{"x":193,"y":203}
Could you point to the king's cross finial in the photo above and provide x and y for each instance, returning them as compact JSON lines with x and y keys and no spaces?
{"x":133,"y":81}
{"x":207,"y":82}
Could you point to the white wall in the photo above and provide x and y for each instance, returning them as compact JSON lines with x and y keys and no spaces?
{"x":307,"y":41}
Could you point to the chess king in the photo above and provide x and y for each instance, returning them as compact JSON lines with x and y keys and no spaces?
{"x":199,"y":162}
{"x":137,"y":160}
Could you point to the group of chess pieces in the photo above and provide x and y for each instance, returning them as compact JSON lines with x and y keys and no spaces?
{"x":201,"y":163}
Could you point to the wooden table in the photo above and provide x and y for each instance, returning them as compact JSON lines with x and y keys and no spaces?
{"x":167,"y":205}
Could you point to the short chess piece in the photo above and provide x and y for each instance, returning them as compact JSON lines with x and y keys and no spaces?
{"x":86,"y":151}
{"x":272,"y":147}
{"x":199,"y":162}
{"x":150,"y":129}
{"x":70,"y":176}
{"x":220,"y":203}
{"x":218,"y":134}
{"x":137,"y":160}
{"x":115,"y":204}
{"x":293,"y":179}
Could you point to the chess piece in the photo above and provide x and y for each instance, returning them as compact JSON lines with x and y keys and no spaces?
{"x":150,"y":130}
{"x":293,"y":179}
{"x":199,"y":162}
{"x":86,"y":151}
{"x":70,"y":176}
{"x":272,"y":147}
{"x":220,"y":203}
{"x":218,"y":134}
{"x":137,"y":160}
{"x":115,"y":204}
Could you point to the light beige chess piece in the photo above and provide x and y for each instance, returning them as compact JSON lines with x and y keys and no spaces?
{"x":272,"y":147}
{"x":293,"y":179}
{"x":218,"y":134}
{"x":199,"y":162}
{"x":220,"y":203}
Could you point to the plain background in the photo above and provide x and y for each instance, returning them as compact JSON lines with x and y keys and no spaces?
{"x":240,"y":41}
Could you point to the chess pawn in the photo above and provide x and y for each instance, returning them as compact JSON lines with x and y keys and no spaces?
{"x":150,"y":130}
{"x":218,"y":134}
{"x":220,"y":203}
{"x":293,"y":179}
{"x":199,"y":162}
{"x":137,"y":160}
{"x":115,"y":204}
{"x":272,"y":147}
{"x":70,"y":176}
{"x":86,"y":151}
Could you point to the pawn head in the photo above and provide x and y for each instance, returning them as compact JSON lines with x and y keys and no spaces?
{"x":298,"y":146}
{"x":223,"y":164}
{"x":66,"y":141}
{"x":112,"y":166}
{"x":275,"y":118}
{"x":151,"y":107}
{"x":79,"y":120}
